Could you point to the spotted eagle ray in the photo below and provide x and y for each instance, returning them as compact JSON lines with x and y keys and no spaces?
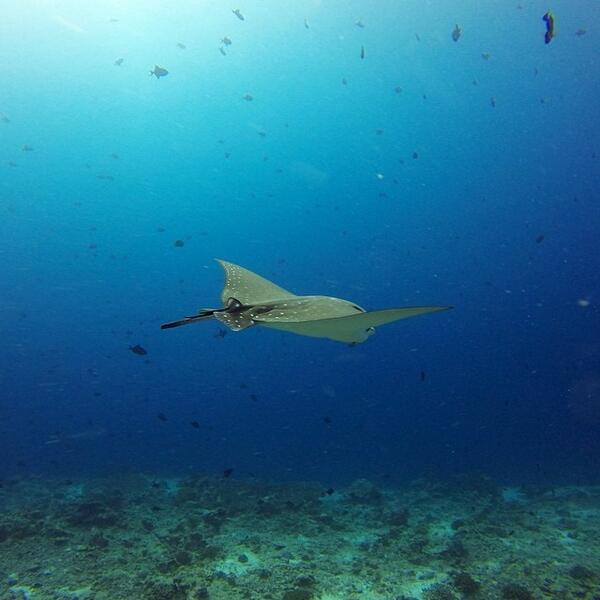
{"x":249,"y":299}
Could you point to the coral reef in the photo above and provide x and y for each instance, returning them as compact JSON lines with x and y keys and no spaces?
{"x":220,"y":538}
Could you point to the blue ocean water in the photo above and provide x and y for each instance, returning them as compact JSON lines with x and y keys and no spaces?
{"x":423,"y":173}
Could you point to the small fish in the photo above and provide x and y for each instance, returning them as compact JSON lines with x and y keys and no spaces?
{"x":415,"y":155}
{"x":159,"y":72}
{"x":362,"y":52}
{"x":182,"y":46}
{"x":222,"y":51}
{"x":195,"y":424}
{"x":115,"y":156}
{"x":238,"y":13}
{"x":162,"y":417}
{"x":398,"y":89}
{"x":493,"y":102}
{"x":27,"y":148}
{"x":306,"y":24}
{"x":113,"y":20}
{"x":359,"y":23}
{"x":137,"y":349}
{"x":179,"y":243}
{"x":227,"y":472}
{"x":540,"y":238}
{"x":327,"y":420}
{"x":105,"y":177}
{"x":253,"y":397}
{"x":4,"y":118}
{"x":548,"y":19}
{"x":580,"y":32}
{"x":485,"y":55}
{"x":329,"y":491}
{"x":417,"y":37}
{"x":119,"y":62}
{"x":220,"y":333}
{"x":344,"y":81}
{"x":423,"y":375}
{"x":456,"y":33}
{"x":226,"y":41}
{"x":248,"y":97}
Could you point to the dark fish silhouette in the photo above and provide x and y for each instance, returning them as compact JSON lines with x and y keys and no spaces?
{"x":222,"y":51}
{"x":540,"y":238}
{"x":137,"y":349}
{"x":227,"y":472}
{"x":456,"y":33}
{"x":237,"y":13}
{"x":362,"y":52}
{"x":423,"y":375}
{"x":162,"y":417}
{"x":548,"y":18}
{"x":159,"y":72}
{"x":119,"y":62}
{"x":179,"y":243}
{"x":226,"y":41}
{"x":195,"y":424}
{"x":27,"y":148}
{"x":580,"y":32}
{"x":182,"y":46}
{"x":248,"y":97}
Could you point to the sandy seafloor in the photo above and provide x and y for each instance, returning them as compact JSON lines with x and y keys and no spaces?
{"x":200,"y":537}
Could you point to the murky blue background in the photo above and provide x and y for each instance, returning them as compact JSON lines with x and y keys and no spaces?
{"x":388,"y":197}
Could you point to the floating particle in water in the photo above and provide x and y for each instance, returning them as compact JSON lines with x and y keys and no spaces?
{"x":238,"y":14}
{"x":105,"y":177}
{"x":113,"y":20}
{"x":162,"y":417}
{"x":540,"y":238}
{"x":379,"y":176}
{"x":119,"y":62}
{"x":159,"y":72}
{"x":226,"y":41}
{"x":179,"y":243}
{"x":583,"y":302}
{"x":248,"y":97}
{"x":195,"y":424}
{"x":456,"y":33}
{"x":137,"y":349}
{"x":227,"y":472}
{"x":182,"y":46}
{"x":27,"y":148}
